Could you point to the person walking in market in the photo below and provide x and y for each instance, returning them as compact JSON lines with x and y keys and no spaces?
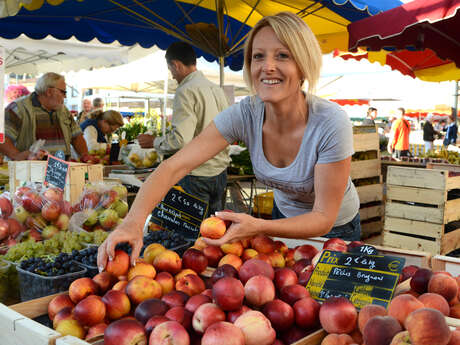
{"x":42,"y":115}
{"x":399,"y":136}
{"x":300,"y":145}
{"x":429,"y":133}
{"x":451,"y":132}
{"x":196,"y":103}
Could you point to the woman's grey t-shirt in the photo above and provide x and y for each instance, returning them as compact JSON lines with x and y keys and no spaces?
{"x":328,"y":138}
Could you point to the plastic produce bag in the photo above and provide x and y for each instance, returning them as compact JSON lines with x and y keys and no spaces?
{"x":42,"y":211}
{"x":141,"y":158}
{"x":102,"y":206}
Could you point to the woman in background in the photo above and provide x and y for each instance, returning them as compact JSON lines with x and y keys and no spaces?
{"x":98,"y":126}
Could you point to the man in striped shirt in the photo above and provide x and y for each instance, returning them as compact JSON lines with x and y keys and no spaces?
{"x":42,"y":115}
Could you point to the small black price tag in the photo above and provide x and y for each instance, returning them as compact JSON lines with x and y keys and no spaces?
{"x":365,"y":249}
{"x":363,"y":279}
{"x":56,"y":172}
{"x":180,"y":212}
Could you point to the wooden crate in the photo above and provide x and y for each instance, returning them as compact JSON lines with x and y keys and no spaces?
{"x":418,"y":210}
{"x":18,"y":328}
{"x":446,"y":263}
{"x":365,"y":138}
{"x":21,"y":172}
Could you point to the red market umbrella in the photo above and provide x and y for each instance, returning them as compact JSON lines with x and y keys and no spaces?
{"x":420,"y":28}
{"x":422,"y":64}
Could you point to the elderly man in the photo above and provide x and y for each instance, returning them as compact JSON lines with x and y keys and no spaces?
{"x":87,"y":107}
{"x":42,"y":115}
{"x":98,"y":103}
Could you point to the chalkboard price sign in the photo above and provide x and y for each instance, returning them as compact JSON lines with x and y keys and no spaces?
{"x":362,"y":278}
{"x":56,"y":172}
{"x":180,"y":212}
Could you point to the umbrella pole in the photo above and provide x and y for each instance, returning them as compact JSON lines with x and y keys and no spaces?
{"x":165,"y":101}
{"x":221,"y":70}
{"x":455,"y":109}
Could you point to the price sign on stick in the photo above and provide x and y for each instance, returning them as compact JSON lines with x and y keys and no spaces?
{"x":180,"y":212}
{"x":56,"y":171}
{"x":363,"y":279}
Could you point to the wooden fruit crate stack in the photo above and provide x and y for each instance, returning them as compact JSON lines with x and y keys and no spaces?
{"x":422,"y":210}
{"x":366,"y":175}
{"x":79,"y":174}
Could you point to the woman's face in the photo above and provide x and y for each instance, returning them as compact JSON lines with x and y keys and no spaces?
{"x":274,"y":71}
{"x":107,"y":128}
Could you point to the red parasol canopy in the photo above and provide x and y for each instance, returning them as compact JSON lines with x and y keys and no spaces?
{"x":417,"y":25}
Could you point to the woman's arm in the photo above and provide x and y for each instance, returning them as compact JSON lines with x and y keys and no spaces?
{"x":202,"y":148}
{"x":330,"y":182}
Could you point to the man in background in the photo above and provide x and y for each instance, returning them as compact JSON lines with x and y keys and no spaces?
{"x":42,"y":115}
{"x":87,"y":107}
{"x":399,"y":136}
{"x":370,"y":117}
{"x":196,"y":102}
{"x":98,"y":103}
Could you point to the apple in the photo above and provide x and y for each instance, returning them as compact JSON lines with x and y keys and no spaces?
{"x":21,"y":191}
{"x":121,"y":207}
{"x":195,"y":260}
{"x":4,"y":229}
{"x":32,"y":202}
{"x":141,"y":288}
{"x":306,"y":312}
{"x":125,"y":332}
{"x":254,"y":267}
{"x":228,"y":293}
{"x":153,"y":322}
{"x":149,"y":308}
{"x":206,"y":315}
{"x":280,"y":314}
{"x":117,"y":304}
{"x":181,"y":315}
{"x":168,"y":261}
{"x":175,"y":298}
{"x":54,"y":194}
{"x":169,"y":333}
{"x":62,"y":222}
{"x":292,"y":293}
{"x":195,"y":301}
{"x":82,"y":288}
{"x":119,"y":265}
{"x":166,"y":281}
{"x":381,"y":330}
{"x":6,"y":208}
{"x":90,"y":311}
{"x":71,"y":327}
{"x":222,"y":272}
{"x":213,"y":254}
{"x":121,"y":191}
{"x":213,"y":227}
{"x":96,"y":331}
{"x":259,"y":290}
{"x":109,"y":198}
{"x":338,"y":315}
{"x":427,"y":326}
{"x":191,"y":284}
{"x":21,"y":214}
{"x":218,"y":331}
{"x":108,"y":219}
{"x":49,"y":231}
{"x":256,"y":328}
{"x":91,"y":217}
{"x":57,"y":304}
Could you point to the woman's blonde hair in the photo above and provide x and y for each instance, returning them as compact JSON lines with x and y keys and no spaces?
{"x":297,"y":36}
{"x":113,"y":117}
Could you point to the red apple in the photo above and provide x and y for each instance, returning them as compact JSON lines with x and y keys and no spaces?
{"x":125,"y":332}
{"x":82,"y":288}
{"x":307,"y":313}
{"x":169,"y":333}
{"x":149,"y":308}
{"x":32,"y":202}
{"x":228,"y":293}
{"x":206,"y":315}
{"x":53,"y":194}
{"x":217,"y":332}
{"x":195,"y":260}
{"x":284,"y":277}
{"x":255,"y":267}
{"x":90,"y":311}
{"x":280,"y":314}
{"x":6,"y":208}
